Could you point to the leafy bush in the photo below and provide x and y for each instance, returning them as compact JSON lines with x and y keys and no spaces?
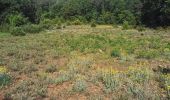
{"x":18,"y":31}
{"x":68,"y":23}
{"x":140,"y":75}
{"x":126,"y":25}
{"x":4,"y":79}
{"x":77,"y":22}
{"x":51,"y":69}
{"x":46,"y":26}
{"x":47,"y":23}
{"x":32,"y":28}
{"x":93,"y":24}
{"x":110,"y":80}
{"x":16,"y":20}
{"x":79,"y":86}
{"x":106,"y":18}
{"x":62,"y":78}
{"x":5,"y":28}
{"x":115,"y":53}
{"x":140,"y":28}
{"x":59,"y":27}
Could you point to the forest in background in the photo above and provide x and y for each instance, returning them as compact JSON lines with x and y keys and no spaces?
{"x":84,"y":49}
{"x":150,"y":13}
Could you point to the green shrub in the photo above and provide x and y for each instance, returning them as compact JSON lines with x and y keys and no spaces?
{"x":126,"y":25}
{"x":79,"y":86}
{"x":68,"y":23}
{"x":16,"y":20}
{"x":4,"y":80}
{"x":140,"y":28}
{"x":29,"y":69}
{"x":115,"y":53}
{"x":62,"y":78}
{"x":77,"y":22}
{"x":18,"y":31}
{"x":5,"y":28}
{"x":32,"y":28}
{"x":111,"y":81}
{"x":115,"y":26}
{"x":47,"y":23}
{"x":64,"y":26}
{"x":93,"y":24}
{"x":46,"y":26}
{"x":59,"y":27}
{"x":51,"y":69}
{"x":140,"y":75}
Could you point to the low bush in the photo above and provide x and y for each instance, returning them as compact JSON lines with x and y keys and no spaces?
{"x":64,"y":77}
{"x":51,"y":69}
{"x":115,"y":53}
{"x":148,"y":54}
{"x":77,"y":22}
{"x":4,"y":80}
{"x":140,"y":28}
{"x":126,"y":25}
{"x":59,"y":27}
{"x":93,"y":24}
{"x":18,"y":31}
{"x":46,"y":26}
{"x":68,"y":23}
{"x":32,"y":28}
{"x":79,"y":86}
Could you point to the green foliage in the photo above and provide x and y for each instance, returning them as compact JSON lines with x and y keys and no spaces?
{"x":148,"y":54}
{"x":126,"y":16}
{"x":16,"y":20}
{"x":18,"y":31}
{"x":64,"y":77}
{"x":110,"y":82}
{"x":68,"y":23}
{"x":32,"y":28}
{"x":151,"y":13}
{"x":47,"y":21}
{"x":77,"y":22}
{"x":115,"y":53}
{"x":80,"y":85}
{"x":125,"y":25}
{"x":141,"y":75}
{"x":59,"y":25}
{"x":93,"y":24}
{"x":106,"y":18}
{"x":4,"y":79}
{"x":140,"y":28}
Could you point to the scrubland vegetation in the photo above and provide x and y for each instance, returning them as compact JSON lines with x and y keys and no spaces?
{"x":84,"y":49}
{"x":86,"y":62}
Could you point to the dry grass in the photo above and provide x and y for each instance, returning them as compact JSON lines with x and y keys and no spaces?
{"x":87,"y":63}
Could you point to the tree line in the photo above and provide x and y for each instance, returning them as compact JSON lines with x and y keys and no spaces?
{"x":150,"y":13}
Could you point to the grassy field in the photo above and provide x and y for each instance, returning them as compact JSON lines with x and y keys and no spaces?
{"x":84,"y":63}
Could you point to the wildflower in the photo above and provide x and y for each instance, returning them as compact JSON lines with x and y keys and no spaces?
{"x":3,"y":69}
{"x":168,"y":87}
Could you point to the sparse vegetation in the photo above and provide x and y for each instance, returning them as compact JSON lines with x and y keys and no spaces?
{"x":85,"y":49}
{"x":51,"y":68}
{"x":78,"y":59}
{"x":18,"y":31}
{"x":79,"y":86}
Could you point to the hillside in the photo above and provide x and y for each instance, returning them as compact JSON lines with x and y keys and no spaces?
{"x":86,"y":63}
